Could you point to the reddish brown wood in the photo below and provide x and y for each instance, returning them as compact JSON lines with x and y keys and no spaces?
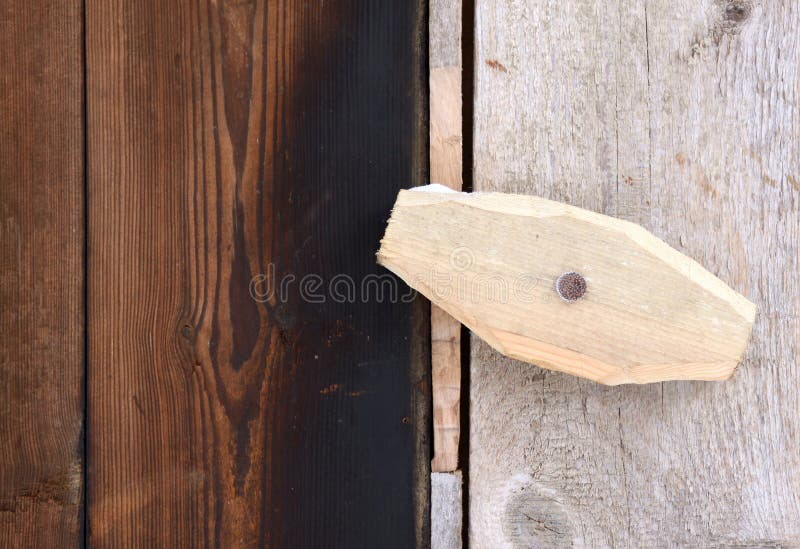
{"x":41,"y":273}
{"x":226,"y":138}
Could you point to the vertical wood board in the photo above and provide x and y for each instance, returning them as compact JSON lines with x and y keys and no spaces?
{"x":446,"y":144}
{"x":241,"y":156}
{"x":682,"y":117}
{"x":41,"y":274}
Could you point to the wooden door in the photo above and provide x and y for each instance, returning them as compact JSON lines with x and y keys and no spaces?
{"x":161,"y":164}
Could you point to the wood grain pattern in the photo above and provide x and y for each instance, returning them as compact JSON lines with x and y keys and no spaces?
{"x":680,"y":116}
{"x":231,"y":140}
{"x":446,"y":510}
{"x":444,"y":40}
{"x":41,"y":274}
{"x":494,"y":260}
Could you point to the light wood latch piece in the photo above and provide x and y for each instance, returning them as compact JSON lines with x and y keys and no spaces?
{"x":565,"y":288}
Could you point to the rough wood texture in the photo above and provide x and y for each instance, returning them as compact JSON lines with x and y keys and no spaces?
{"x":446,"y":381}
{"x":242,"y":155}
{"x":681,"y":116}
{"x":640,"y":311}
{"x":444,"y":42}
{"x":41,"y":274}
{"x":446,"y":496}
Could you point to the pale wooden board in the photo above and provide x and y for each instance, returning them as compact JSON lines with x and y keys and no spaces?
{"x":444,"y":30}
{"x":493,"y":261}
{"x":681,"y":116}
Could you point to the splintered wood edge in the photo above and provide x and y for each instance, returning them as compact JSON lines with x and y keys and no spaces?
{"x":549,"y":356}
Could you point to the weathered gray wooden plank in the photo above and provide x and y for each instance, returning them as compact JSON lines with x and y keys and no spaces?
{"x":681,"y":116}
{"x":446,"y":515}
{"x":444,"y":33}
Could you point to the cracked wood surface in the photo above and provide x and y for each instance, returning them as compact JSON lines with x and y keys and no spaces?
{"x":682,"y":117}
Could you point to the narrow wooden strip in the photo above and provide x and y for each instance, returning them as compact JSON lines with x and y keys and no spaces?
{"x":446,"y":167}
{"x":446,"y":368}
{"x":41,"y":274}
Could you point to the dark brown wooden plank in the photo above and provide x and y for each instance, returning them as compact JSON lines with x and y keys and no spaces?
{"x":41,"y":273}
{"x":228,"y":139}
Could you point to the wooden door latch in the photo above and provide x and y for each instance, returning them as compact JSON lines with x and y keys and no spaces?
{"x":565,"y":288}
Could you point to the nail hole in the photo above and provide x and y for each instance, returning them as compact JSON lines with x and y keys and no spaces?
{"x":571,"y":286}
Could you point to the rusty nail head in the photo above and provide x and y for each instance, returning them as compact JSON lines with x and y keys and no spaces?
{"x":571,"y":286}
